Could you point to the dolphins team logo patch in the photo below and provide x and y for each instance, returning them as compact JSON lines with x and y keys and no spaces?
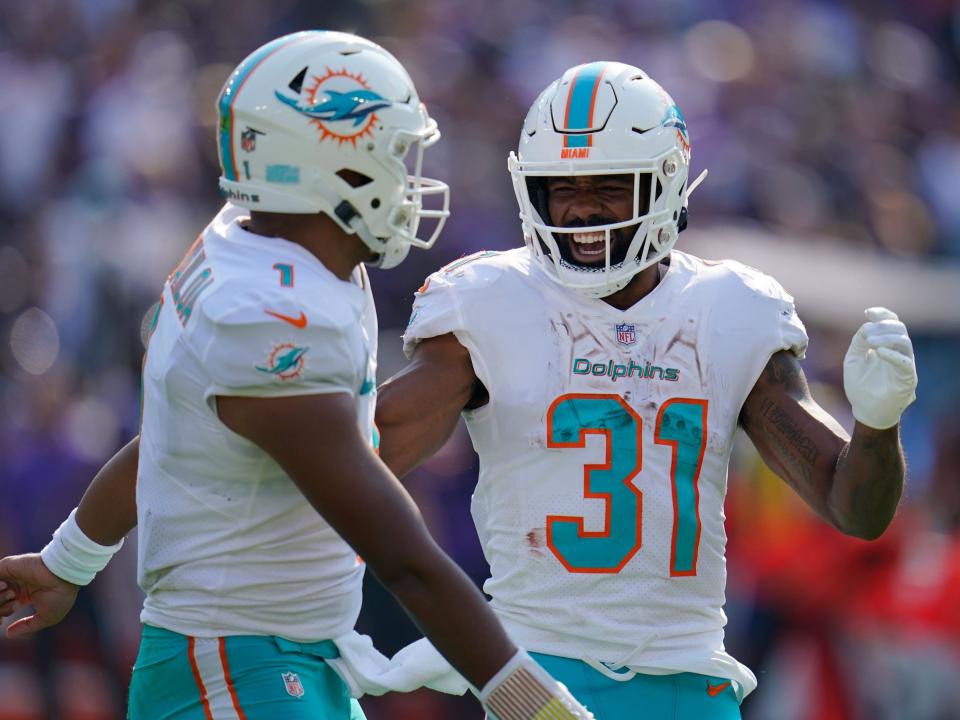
{"x":284,"y":362}
{"x":340,"y":104}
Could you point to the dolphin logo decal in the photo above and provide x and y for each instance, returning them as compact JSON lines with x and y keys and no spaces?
{"x":353,"y":105}
{"x":674,"y":118}
{"x":283,"y":364}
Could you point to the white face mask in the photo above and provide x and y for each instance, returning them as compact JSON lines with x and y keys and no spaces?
{"x":605,"y":118}
{"x":655,"y":230}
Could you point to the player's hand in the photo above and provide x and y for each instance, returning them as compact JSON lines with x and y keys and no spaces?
{"x":879,"y":373}
{"x":27,"y":581}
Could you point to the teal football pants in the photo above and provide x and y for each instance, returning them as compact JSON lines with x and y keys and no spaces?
{"x":683,"y":696}
{"x":244,"y":677}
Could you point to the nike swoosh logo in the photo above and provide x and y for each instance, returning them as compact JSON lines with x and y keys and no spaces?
{"x":714,"y":690}
{"x":297,"y":322}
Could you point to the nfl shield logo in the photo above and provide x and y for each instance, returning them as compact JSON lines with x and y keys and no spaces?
{"x":248,"y":139}
{"x":626,"y":334}
{"x":291,"y":682}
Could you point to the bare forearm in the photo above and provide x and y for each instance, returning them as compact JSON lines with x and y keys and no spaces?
{"x":868,"y":482}
{"x":435,"y":592}
{"x":438,"y":596}
{"x":853,"y":483}
{"x":108,"y":509}
{"x":453,"y":614}
{"x":801,"y":443}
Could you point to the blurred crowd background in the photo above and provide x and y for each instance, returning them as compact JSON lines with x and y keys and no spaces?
{"x":832,"y":132}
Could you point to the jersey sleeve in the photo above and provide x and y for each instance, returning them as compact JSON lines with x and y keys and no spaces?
{"x":790,"y":333}
{"x":760,"y":320}
{"x":436,"y":311}
{"x":248,"y":351}
{"x":441,"y":305}
{"x":793,"y":333}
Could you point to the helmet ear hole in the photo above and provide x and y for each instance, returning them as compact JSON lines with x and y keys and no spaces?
{"x":353,"y":178}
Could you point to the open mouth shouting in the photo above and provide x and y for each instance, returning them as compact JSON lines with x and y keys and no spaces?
{"x":588,"y":247}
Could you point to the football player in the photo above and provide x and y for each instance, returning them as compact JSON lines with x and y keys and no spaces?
{"x":602,"y":375}
{"x":259,"y":387}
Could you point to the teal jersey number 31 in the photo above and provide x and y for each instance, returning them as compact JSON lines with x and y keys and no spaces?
{"x":681,"y":424}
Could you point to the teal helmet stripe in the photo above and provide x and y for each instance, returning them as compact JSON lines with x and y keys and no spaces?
{"x":230,"y":91}
{"x":580,"y":102}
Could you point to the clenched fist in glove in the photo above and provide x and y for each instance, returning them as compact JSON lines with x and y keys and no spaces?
{"x":879,"y":373}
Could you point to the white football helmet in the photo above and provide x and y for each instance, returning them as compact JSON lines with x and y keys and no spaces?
{"x":604,"y":118}
{"x":330,"y":122}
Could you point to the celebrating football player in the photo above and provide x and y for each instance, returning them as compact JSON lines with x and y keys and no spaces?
{"x":259,"y":387}
{"x":602,"y":375}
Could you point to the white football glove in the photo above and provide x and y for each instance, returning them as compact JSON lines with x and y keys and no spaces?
{"x":879,"y":373}
{"x":522,"y":690}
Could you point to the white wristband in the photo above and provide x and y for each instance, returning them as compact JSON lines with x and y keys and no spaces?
{"x":72,"y":556}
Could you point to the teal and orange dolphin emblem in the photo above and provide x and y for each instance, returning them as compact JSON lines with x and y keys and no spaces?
{"x":353,"y":105}
{"x":674,"y":118}
{"x":285,"y":362}
{"x":344,"y":114}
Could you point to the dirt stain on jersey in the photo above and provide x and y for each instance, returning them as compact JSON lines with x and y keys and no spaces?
{"x":536,"y":541}
{"x":686,"y":336}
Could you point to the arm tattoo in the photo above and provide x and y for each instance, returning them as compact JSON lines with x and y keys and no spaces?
{"x":790,"y":436}
{"x":855,"y":484}
{"x":791,"y":441}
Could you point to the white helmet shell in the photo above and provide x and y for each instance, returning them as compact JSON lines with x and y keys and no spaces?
{"x":330,"y":122}
{"x":604,"y":118}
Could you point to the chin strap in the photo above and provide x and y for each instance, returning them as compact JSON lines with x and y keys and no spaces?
{"x":683,"y":219}
{"x":696,"y":183}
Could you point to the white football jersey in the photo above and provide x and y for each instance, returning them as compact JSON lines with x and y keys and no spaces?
{"x":604,"y":449}
{"x":228,"y":545}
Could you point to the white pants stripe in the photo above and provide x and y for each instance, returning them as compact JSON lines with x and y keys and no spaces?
{"x":208,"y":656}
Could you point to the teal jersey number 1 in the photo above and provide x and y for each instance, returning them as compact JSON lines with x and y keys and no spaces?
{"x":286,"y":274}
{"x":681,"y":424}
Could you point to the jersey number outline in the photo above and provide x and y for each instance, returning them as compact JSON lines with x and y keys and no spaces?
{"x":681,"y":425}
